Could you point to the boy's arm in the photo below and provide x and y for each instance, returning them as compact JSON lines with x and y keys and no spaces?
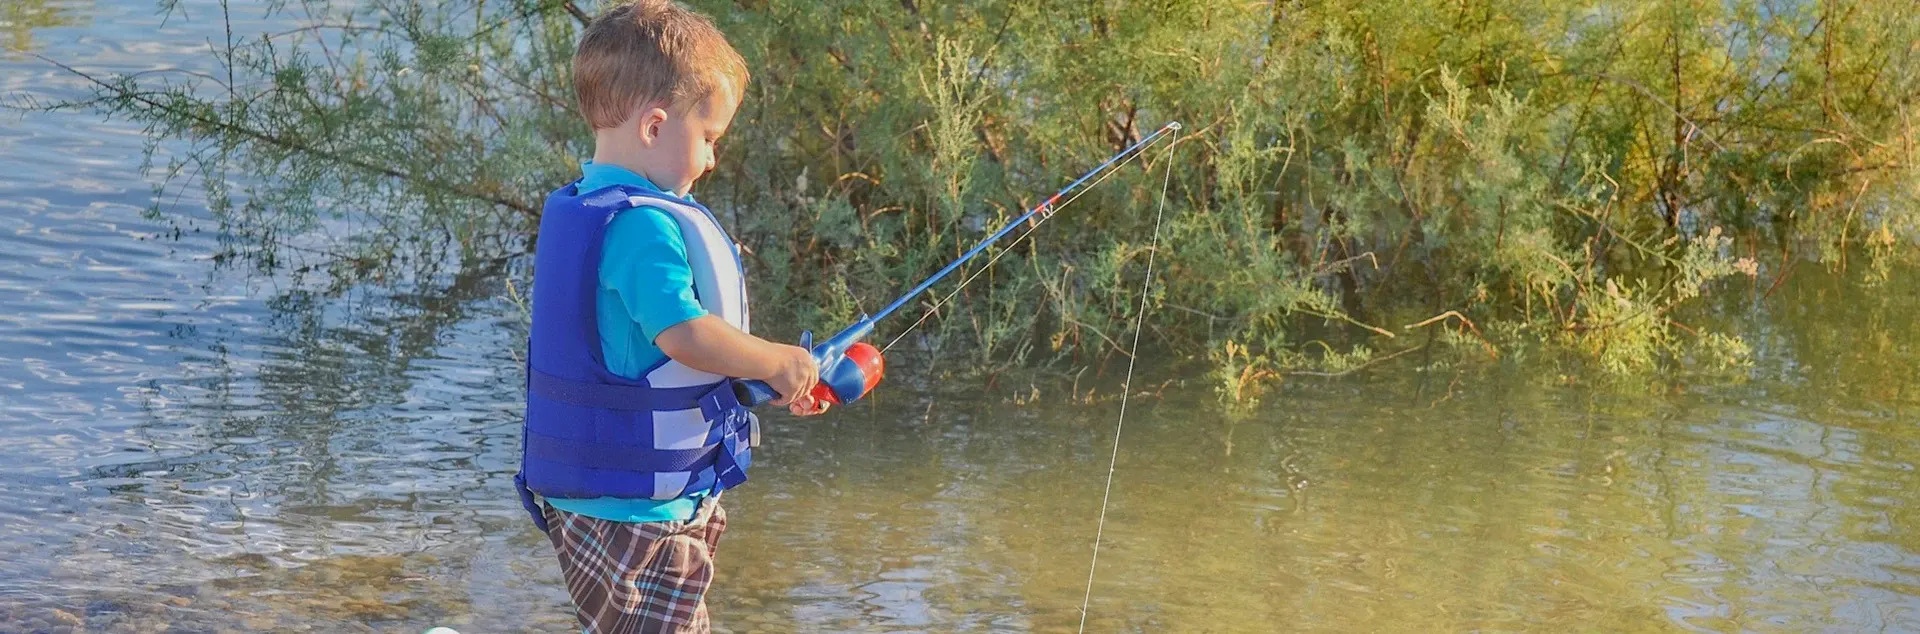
{"x":645,"y":265}
{"x":710,"y":344}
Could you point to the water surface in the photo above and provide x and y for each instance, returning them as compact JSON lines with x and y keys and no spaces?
{"x":190,"y":447}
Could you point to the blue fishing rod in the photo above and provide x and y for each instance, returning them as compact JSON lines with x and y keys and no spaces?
{"x":851,"y":367}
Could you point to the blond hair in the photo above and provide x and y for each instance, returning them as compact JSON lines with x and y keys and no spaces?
{"x":648,"y":52}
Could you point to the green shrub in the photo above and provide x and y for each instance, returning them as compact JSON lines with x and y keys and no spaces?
{"x":1554,"y":173}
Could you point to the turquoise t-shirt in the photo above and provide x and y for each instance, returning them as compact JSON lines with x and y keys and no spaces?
{"x":646,"y":287}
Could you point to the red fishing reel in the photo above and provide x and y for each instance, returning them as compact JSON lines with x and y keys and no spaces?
{"x":851,"y":376}
{"x":849,"y":369}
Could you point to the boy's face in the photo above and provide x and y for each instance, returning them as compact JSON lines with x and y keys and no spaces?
{"x":680,"y":145}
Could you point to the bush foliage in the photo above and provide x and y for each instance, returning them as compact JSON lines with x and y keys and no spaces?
{"x":1494,"y":174}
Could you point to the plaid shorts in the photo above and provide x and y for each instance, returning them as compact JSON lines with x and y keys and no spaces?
{"x":638,"y":578}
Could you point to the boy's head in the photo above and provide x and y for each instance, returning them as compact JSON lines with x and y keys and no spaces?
{"x":659,"y":84}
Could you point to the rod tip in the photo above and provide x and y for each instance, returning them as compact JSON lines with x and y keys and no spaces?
{"x":1173,"y":125}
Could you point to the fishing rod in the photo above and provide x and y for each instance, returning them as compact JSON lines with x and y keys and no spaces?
{"x":851,"y":367}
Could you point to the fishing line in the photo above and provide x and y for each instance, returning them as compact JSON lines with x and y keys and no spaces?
{"x":1126,"y":387}
{"x":1023,"y":236}
{"x":850,"y":367}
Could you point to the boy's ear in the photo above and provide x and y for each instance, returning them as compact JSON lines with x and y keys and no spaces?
{"x":650,"y":120}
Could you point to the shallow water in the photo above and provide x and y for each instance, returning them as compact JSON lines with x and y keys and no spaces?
{"x":192,"y":448}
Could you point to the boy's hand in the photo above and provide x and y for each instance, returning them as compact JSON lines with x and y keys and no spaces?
{"x":709,"y":344}
{"x":794,"y":375}
{"x":808,"y":406}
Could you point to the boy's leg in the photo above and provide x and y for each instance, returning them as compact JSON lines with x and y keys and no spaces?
{"x":644,"y":578}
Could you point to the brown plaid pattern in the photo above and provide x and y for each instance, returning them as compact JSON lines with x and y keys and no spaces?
{"x":638,"y":578}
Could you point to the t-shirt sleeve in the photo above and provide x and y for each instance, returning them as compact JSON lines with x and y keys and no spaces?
{"x":643,"y":260}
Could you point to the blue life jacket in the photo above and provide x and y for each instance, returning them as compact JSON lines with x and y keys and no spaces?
{"x":591,"y":433}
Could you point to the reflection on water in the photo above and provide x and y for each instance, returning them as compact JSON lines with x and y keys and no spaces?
{"x":192,"y":449}
{"x":20,"y":18}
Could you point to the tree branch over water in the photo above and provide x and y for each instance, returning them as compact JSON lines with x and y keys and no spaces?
{"x":122,"y":94}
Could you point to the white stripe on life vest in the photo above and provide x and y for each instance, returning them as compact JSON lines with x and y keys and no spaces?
{"x":680,"y":429}
{"x":717,"y":280}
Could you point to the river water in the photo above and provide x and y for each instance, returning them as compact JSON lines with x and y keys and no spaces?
{"x":191,"y":447}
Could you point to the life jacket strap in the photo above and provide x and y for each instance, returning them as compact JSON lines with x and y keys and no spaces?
{"x":618,"y":397}
{"x":600,"y":454}
{"x":720,"y":401}
{"x":736,"y":450}
{"x":527,"y":502}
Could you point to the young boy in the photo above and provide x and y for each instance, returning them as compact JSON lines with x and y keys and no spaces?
{"x":639,"y":330}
